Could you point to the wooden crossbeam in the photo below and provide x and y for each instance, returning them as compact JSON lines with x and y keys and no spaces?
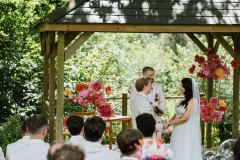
{"x":76,"y":45}
{"x":216,"y":46}
{"x":70,"y":36}
{"x":226,"y":46}
{"x":197,"y":42}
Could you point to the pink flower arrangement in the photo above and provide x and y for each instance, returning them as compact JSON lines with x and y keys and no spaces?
{"x":213,"y":110}
{"x":212,"y":66}
{"x":91,"y":93}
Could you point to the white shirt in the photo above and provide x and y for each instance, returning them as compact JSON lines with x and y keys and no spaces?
{"x":1,"y":154}
{"x":96,"y":151}
{"x":11,"y":148}
{"x":129,"y":158}
{"x":139,"y":105}
{"x":36,"y":149}
{"x":156,"y":89}
{"x":77,"y":140}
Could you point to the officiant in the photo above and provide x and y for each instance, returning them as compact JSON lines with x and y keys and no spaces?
{"x":155,"y":97}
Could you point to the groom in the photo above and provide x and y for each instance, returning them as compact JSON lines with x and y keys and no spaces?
{"x":156,"y":97}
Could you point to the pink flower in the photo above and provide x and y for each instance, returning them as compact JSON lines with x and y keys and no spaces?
{"x":213,"y":101}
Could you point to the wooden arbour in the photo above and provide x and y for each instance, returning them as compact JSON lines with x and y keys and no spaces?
{"x":67,"y":28}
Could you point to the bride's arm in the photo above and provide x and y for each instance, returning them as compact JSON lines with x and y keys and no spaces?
{"x":173,"y":118}
{"x":185,"y":117}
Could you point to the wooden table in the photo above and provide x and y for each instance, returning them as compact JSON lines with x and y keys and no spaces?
{"x":110,"y":120}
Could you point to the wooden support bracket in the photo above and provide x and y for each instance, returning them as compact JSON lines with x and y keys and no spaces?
{"x":197,"y":42}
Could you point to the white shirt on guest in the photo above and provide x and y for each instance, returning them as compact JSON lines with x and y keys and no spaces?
{"x":139,"y":105}
{"x":129,"y":158}
{"x":96,"y":151}
{"x":11,"y":148}
{"x":1,"y":154}
{"x":36,"y":149}
{"x":156,"y":88}
{"x":77,"y":140}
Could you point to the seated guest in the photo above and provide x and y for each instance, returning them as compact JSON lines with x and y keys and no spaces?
{"x":11,"y":148}
{"x":236,"y":150}
{"x":93,"y":133}
{"x":1,"y":154}
{"x":68,"y":152}
{"x":129,"y":143}
{"x":75,"y":125}
{"x":36,"y":149}
{"x":151,"y":147}
{"x":54,"y":146}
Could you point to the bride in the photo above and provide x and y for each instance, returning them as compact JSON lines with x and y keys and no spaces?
{"x":185,"y":138}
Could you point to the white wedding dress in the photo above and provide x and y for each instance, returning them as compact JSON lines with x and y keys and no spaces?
{"x":186,"y":137}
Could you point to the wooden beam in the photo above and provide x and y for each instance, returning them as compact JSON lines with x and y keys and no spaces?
{"x":70,"y":36}
{"x":45,"y":51}
{"x":209,"y":95}
{"x":52,"y":88}
{"x":124,"y":109}
{"x":197,"y":42}
{"x":60,"y":86}
{"x":216,"y":46}
{"x":226,"y":46}
{"x":77,"y":44}
{"x":236,"y":85}
{"x":138,"y":28}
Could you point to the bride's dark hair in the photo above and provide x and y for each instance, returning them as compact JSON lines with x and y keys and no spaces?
{"x":187,"y":85}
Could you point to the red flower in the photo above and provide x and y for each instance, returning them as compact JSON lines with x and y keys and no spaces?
{"x":80,"y":87}
{"x":234,"y":64}
{"x":97,"y":86}
{"x":108,"y":90}
{"x":199,"y":59}
{"x":192,"y":69}
{"x":105,"y":110}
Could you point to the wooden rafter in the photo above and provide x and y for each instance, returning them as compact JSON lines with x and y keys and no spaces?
{"x":197,"y":42}
{"x":76,"y":44}
{"x":141,"y":28}
{"x":226,"y":45}
{"x":70,"y":36}
{"x":216,"y":46}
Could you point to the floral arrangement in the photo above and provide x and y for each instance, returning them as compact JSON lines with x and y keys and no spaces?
{"x":213,"y":110}
{"x":213,"y":66}
{"x":91,"y":93}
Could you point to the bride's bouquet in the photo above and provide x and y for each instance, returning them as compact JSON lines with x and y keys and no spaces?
{"x":213,"y":110}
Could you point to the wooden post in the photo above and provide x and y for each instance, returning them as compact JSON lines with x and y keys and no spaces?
{"x":124,"y":109}
{"x":209,"y":95}
{"x":45,"y":71}
{"x":236,"y":77}
{"x":52,"y":87}
{"x":60,"y":86}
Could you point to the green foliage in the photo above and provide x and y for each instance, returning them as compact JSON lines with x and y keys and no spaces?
{"x":20,"y":61}
{"x":9,"y":131}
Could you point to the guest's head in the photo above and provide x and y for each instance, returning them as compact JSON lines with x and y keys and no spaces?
{"x":148,"y":72}
{"x":94,"y":128}
{"x":143,"y":85}
{"x":24,"y":126}
{"x":75,"y":125}
{"x":68,"y":152}
{"x":37,"y":127}
{"x":146,"y":124}
{"x":129,"y":142}
{"x":186,"y":89}
{"x":54,"y":146}
{"x":236,"y":150}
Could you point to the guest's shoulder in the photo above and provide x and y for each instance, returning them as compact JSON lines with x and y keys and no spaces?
{"x":114,"y":154}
